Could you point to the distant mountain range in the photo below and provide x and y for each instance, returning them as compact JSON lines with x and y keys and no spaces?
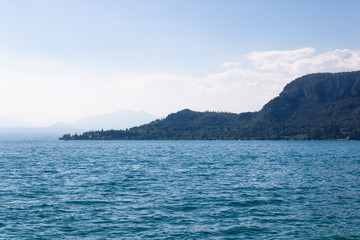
{"x":315,"y":106}
{"x":117,"y":120}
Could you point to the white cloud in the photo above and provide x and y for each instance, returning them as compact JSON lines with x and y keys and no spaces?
{"x":235,"y":90}
{"x":304,"y":61}
{"x":280,"y":56}
{"x":230,"y":64}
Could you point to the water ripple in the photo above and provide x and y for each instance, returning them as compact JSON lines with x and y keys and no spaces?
{"x":179,"y":190}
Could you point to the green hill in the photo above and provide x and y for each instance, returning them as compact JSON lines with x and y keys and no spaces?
{"x":315,"y":106}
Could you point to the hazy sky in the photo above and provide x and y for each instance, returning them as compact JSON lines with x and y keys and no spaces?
{"x":61,"y":60}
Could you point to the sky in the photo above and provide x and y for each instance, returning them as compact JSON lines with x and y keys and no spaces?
{"x":61,"y":60}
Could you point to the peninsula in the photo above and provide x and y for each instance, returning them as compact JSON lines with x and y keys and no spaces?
{"x":316,"y":106}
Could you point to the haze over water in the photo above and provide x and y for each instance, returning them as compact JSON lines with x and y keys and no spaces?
{"x":179,"y":190}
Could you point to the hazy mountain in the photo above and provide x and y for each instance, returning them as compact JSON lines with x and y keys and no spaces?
{"x":51,"y":132}
{"x":16,"y":129}
{"x":117,"y":120}
{"x":62,"y":126}
{"x":316,"y":106}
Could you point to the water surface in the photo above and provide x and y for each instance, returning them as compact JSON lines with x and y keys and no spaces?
{"x":179,"y":189}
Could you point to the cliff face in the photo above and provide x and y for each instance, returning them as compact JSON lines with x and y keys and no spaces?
{"x":322,"y":97}
{"x":323,"y":87}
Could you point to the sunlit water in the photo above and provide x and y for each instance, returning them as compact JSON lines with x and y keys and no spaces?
{"x":179,"y":190}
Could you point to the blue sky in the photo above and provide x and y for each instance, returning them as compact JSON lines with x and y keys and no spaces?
{"x":63,"y":59}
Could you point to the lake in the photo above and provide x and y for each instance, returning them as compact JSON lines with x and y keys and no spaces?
{"x":179,"y":189}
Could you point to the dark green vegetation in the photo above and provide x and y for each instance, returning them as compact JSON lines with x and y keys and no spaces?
{"x":315,"y":106}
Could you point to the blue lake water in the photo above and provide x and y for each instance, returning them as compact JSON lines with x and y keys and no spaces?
{"x":179,"y":190}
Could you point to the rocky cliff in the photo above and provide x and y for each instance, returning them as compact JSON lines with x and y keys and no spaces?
{"x":318,"y":99}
